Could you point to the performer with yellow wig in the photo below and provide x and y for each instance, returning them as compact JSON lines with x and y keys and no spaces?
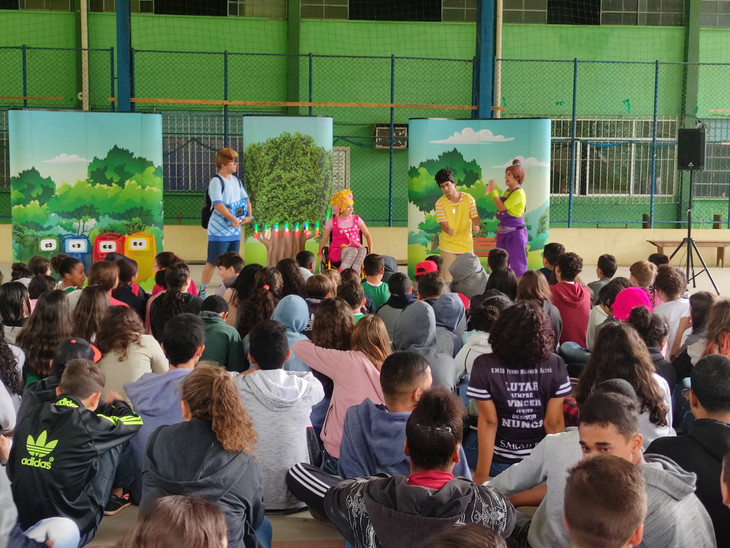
{"x":345,"y":229}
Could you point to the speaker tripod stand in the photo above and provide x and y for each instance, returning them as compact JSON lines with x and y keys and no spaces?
{"x":690,"y":244}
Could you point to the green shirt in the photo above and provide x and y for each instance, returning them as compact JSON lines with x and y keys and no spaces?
{"x":378,"y":293}
{"x":222,"y":342}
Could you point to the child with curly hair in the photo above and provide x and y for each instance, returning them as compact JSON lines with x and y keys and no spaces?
{"x":211,"y":454}
{"x":519,"y":389}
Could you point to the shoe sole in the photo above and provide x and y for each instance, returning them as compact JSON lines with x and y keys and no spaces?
{"x":115,"y":512}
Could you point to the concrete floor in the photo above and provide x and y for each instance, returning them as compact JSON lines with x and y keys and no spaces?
{"x":298,"y":530}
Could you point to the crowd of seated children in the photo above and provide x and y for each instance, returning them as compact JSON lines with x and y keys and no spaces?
{"x":345,"y":395}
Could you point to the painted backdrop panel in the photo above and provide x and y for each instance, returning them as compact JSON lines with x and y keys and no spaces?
{"x":288,"y":175}
{"x":477,"y":151}
{"x":76,"y":175}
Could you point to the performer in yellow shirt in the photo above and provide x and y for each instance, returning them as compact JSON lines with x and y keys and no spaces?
{"x":511,"y":231}
{"x":456,"y":212}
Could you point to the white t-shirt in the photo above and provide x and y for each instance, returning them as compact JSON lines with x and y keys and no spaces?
{"x":673,"y":311}
{"x":648,"y":429}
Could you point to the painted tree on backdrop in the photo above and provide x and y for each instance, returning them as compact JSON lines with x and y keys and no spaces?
{"x":424,"y":192}
{"x":289,"y":179}
{"x":122,"y":193}
{"x":29,"y":197}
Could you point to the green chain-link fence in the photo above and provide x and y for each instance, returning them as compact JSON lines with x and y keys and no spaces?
{"x":363,"y":157}
{"x":614,"y":124}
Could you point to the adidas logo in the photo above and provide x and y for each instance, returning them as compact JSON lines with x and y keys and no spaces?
{"x":40,"y":448}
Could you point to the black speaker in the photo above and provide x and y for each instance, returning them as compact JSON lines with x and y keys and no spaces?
{"x":691,"y":149}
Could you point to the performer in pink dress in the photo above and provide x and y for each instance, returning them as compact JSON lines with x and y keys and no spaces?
{"x":345,"y":229}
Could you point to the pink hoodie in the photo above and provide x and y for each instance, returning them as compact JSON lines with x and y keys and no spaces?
{"x":355,"y":378}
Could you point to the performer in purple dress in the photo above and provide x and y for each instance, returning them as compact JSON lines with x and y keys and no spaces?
{"x":511,"y":231}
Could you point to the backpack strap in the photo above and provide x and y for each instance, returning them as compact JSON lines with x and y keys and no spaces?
{"x":223,"y":189}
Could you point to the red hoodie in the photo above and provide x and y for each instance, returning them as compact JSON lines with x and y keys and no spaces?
{"x":574,"y":303}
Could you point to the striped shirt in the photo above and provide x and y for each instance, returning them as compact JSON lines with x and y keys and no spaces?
{"x":521,"y":397}
{"x":459,"y":216}
{"x":232,"y":196}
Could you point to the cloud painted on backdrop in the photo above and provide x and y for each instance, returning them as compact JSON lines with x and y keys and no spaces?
{"x":525,"y":162}
{"x":470,"y":137}
{"x":64,"y":158}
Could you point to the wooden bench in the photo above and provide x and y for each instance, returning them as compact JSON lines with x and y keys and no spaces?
{"x":482,"y":246}
{"x":673,"y":245}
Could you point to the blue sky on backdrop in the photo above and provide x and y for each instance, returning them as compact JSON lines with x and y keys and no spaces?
{"x":494,"y":144}
{"x":257,"y":129}
{"x":60,"y":145}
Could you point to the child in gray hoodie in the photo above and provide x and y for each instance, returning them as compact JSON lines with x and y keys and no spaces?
{"x":279,"y":403}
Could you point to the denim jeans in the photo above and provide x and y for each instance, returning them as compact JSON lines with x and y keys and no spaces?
{"x":497,"y":468}
{"x":264,"y":532}
{"x":330,"y":464}
{"x":116,"y":469}
{"x":574,"y":353}
{"x":63,"y":532}
{"x":470,"y":444}
{"x":683,"y":417}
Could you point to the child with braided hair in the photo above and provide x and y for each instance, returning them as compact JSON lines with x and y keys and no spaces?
{"x":175,"y":300}
{"x":345,"y":228}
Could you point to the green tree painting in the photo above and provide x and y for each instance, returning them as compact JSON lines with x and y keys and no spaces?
{"x":425,"y":192}
{"x":289,"y":181}
{"x":121,"y":190}
{"x":30,"y":185}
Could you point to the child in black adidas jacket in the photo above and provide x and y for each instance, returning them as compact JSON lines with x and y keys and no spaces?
{"x":67,"y":447}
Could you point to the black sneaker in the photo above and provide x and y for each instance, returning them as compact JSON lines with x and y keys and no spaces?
{"x":116,"y":504}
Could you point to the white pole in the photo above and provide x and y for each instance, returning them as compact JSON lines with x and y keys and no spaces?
{"x":498,"y":64}
{"x":84,"y":12}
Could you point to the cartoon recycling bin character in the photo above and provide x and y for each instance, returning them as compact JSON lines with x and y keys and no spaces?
{"x":111,"y":242}
{"x":48,"y":246}
{"x":77,"y":247}
{"x":141,"y":247}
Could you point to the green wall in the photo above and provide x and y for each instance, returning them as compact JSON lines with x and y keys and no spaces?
{"x":714,"y":48}
{"x":528,"y":88}
{"x":50,"y":73}
{"x":603,"y":88}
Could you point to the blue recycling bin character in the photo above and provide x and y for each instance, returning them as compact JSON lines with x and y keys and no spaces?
{"x":77,"y":247}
